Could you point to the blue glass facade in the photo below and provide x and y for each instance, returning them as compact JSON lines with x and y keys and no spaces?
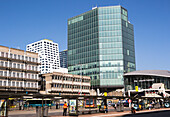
{"x":63,"y":59}
{"x":101,"y":45}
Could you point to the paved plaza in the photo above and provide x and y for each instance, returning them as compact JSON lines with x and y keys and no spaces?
{"x":111,"y":113}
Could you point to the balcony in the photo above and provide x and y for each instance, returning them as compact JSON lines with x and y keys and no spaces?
{"x":67,"y":90}
{"x":57,"y":81}
{"x":85,"y":91}
{"x":86,"y":84}
{"x":76,"y":83}
{"x":32,"y":62}
{"x":56,"y":89}
{"x":76,"y":90}
{"x":67,"y":82}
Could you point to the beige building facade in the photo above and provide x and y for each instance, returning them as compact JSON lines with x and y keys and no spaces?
{"x":18,"y":71}
{"x":63,"y":83}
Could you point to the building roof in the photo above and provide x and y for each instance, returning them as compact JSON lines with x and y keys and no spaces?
{"x":162,"y":73}
{"x":66,"y":74}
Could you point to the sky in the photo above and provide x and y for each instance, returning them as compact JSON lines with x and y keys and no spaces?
{"x":25,"y":21}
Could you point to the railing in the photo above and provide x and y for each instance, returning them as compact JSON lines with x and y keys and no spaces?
{"x":56,"y":89}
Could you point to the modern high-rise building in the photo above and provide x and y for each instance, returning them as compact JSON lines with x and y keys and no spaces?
{"x":63,"y":59}
{"x":101,"y":45}
{"x":48,"y":55}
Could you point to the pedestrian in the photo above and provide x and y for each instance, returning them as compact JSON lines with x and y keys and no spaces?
{"x":133,"y":110}
{"x":115,"y":106}
{"x":105,"y":108}
{"x":65,"y":109}
{"x":56,"y":105}
{"x":28,"y":105}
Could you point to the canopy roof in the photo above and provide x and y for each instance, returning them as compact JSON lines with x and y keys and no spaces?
{"x":162,"y":73}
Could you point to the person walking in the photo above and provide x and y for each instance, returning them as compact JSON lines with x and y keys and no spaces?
{"x":115,"y":106}
{"x":133,"y":110}
{"x":56,"y":105}
{"x":105,"y":108}
{"x":65,"y":109}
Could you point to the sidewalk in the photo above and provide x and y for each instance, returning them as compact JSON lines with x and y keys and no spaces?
{"x":117,"y":114}
{"x":32,"y":111}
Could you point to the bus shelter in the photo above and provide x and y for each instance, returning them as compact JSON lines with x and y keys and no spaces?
{"x":74,"y":100}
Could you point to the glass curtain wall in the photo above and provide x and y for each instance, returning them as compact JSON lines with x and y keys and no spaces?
{"x":83,"y":45}
{"x":101,"y":45}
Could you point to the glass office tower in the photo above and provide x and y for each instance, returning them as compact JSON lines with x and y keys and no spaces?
{"x":63,"y":59}
{"x":101,"y":45}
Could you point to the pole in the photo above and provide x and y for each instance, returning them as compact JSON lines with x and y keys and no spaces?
{"x":42,"y":113}
{"x":7,"y":104}
{"x":81,"y":81}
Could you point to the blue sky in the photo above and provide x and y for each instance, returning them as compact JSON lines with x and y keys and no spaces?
{"x":26,"y":21}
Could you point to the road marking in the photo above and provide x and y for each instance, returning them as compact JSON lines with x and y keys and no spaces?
{"x":109,"y":115}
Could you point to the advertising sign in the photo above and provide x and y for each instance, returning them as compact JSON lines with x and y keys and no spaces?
{"x":2,"y":107}
{"x":105,"y":93}
{"x":136,"y":88}
{"x":72,"y":106}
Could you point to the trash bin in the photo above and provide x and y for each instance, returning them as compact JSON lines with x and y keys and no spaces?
{"x":120,"y":107}
{"x":45,"y":111}
{"x":38,"y":111}
{"x":157,"y":106}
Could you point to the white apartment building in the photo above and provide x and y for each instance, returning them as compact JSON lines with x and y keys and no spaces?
{"x":18,"y":71}
{"x":48,"y":55}
{"x":64,"y":83}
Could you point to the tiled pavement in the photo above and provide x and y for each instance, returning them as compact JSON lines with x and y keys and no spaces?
{"x":117,"y":114}
{"x":58,"y":113}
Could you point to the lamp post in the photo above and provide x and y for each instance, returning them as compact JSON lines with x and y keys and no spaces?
{"x":81,"y":81}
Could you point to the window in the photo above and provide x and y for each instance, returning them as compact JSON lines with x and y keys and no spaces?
{"x":0,"y":83}
{"x":17,"y":84}
{"x":14,"y":65}
{"x":5,"y":83}
{"x":15,"y":56}
{"x":19,"y":57}
{"x":9,"y":83}
{"x":11,"y":55}
{"x":13,"y":74}
{"x":22,"y":57}
{"x":18,"y":75}
{"x":29,"y":58}
{"x":5,"y":73}
{"x":1,"y":73}
{"x":18,"y":65}
{"x":21,"y":84}
{"x":1,"y":63}
{"x":6,"y":64}
{"x":13,"y":83}
{"x":2,"y":54}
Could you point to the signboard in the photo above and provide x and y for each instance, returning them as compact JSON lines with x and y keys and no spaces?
{"x":136,"y":88}
{"x":129,"y":100}
{"x":144,"y":80}
{"x":80,"y":103}
{"x":105,"y":93}
{"x":72,"y":106}
{"x":2,"y":107}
